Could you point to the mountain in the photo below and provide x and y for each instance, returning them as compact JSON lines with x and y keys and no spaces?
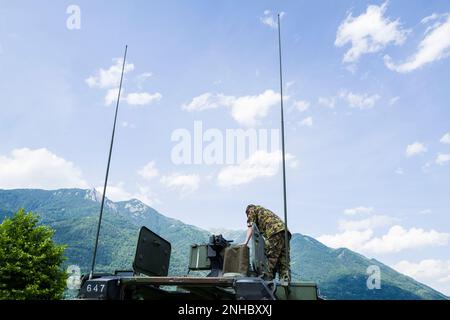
{"x":73,"y":213}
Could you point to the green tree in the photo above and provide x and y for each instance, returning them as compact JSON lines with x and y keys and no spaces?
{"x":30,"y":262}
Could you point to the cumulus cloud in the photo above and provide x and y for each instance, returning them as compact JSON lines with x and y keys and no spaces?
{"x":433,"y":272}
{"x":353,"y":239}
{"x":442,"y":159}
{"x":399,"y":238}
{"x":118,"y":192}
{"x":185,"y":183}
{"x":302,"y":105}
{"x":393,"y":100}
{"x":259,"y":164}
{"x":369,"y":32}
{"x":115,"y":192}
{"x":149,"y":171}
{"x":142,"y":98}
{"x":359,"y":235}
{"x":111,"y":96}
{"x":146,"y":195}
{"x":358,"y":210}
{"x":361,"y":101}
{"x":38,"y":168}
{"x":373,"y":222}
{"x":109,"y":78}
{"x":140,"y":79}
{"x":327,"y":102}
{"x":307,"y":122}
{"x":415,"y":149}
{"x":445,"y":139}
{"x":132,"y":99}
{"x":127,"y":124}
{"x":434,"y":46}
{"x":270,"y":19}
{"x":246,"y":110}
{"x":428,"y":268}
{"x":207,"y":101}
{"x":395,"y":240}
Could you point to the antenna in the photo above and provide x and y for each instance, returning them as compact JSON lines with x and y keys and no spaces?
{"x":286,"y":239}
{"x":107,"y":167}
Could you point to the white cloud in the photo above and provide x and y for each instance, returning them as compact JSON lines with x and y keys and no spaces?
{"x":395,"y":240}
{"x":127,"y":124}
{"x":149,"y":171}
{"x":398,"y":239}
{"x":110,"y":78}
{"x":373,"y":222}
{"x":361,"y":101}
{"x":415,"y":149}
{"x":354,"y":100}
{"x":118,"y":192}
{"x":307,"y":122}
{"x":434,"y":46}
{"x":185,"y":183}
{"x":111,"y":96}
{"x":144,"y":76}
{"x":140,"y":79}
{"x":445,"y":139}
{"x":425,"y":211}
{"x":38,"y":168}
{"x":269,"y":19}
{"x":399,"y":171}
{"x":132,"y":99}
{"x":426,"y":166}
{"x":358,"y":210}
{"x":246,"y":110}
{"x":429,"y":268}
{"x":207,"y":101}
{"x":442,"y":159}
{"x":142,"y":98}
{"x":434,"y":272}
{"x":327,"y":102}
{"x":368,"y":33}
{"x":289,"y":84}
{"x":259,"y":164}
{"x":393,"y":100}
{"x":146,"y":195}
{"x":353,"y":240}
{"x":115,"y":192}
{"x":302,"y":105}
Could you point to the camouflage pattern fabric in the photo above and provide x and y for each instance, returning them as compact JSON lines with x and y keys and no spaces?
{"x":276,"y":257}
{"x":273,"y":230}
{"x":267,"y":222}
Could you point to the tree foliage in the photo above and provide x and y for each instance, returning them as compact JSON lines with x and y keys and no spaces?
{"x":30,"y":262}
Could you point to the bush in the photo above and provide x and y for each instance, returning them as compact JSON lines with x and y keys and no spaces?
{"x":30,"y":262}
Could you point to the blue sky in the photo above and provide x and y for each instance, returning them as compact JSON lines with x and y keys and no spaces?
{"x":367,"y":112}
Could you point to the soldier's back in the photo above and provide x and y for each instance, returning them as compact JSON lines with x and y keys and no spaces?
{"x":268,"y":222}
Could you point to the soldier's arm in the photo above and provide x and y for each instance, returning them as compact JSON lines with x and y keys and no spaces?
{"x":251,"y":219}
{"x":249,"y":235}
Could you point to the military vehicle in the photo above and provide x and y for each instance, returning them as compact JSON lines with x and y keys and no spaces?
{"x":234,"y":273}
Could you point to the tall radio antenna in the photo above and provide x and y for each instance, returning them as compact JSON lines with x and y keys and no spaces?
{"x":286,"y":239}
{"x":107,"y":167}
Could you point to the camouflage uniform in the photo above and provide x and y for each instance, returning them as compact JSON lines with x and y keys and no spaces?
{"x":273,"y":230}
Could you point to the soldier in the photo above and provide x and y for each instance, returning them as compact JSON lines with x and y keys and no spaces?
{"x":273,"y":230}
